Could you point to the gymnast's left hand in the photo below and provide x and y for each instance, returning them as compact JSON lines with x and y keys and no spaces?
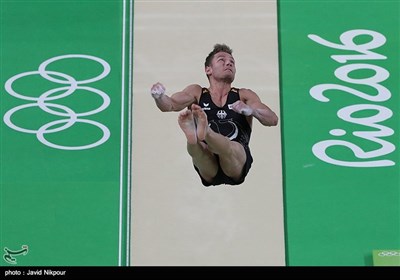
{"x":242,"y":108}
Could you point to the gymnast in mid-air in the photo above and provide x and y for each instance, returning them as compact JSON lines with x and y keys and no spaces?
{"x":217,"y":121}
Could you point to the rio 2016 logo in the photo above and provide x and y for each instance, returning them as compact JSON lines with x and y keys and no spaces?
{"x":351,"y":114}
{"x":45,"y":102}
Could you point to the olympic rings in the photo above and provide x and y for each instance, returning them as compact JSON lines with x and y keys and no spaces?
{"x":389,"y":254}
{"x":43,"y":103}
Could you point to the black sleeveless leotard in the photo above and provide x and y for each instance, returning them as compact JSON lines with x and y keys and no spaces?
{"x":225,"y":121}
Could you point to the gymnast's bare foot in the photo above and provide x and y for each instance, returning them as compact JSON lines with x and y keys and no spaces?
{"x":201,"y":122}
{"x":186,"y":122}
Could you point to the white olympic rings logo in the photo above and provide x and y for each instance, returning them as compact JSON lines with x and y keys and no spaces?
{"x":389,"y":254}
{"x":43,"y":103}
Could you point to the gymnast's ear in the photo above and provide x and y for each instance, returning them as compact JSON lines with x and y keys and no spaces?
{"x":208,"y":70}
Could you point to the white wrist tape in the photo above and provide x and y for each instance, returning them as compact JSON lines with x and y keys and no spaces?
{"x":157,"y":92}
{"x":246,"y":111}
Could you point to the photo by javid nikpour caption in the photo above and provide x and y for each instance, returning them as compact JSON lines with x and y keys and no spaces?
{"x":34,"y":272}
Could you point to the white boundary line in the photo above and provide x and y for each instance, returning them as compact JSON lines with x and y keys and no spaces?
{"x":130,"y":97}
{"x":128,"y":181}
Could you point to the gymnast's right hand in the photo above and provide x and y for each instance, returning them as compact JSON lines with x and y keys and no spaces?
{"x":157,"y":90}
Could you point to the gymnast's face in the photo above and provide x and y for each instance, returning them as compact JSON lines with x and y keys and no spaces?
{"x":222,"y":67}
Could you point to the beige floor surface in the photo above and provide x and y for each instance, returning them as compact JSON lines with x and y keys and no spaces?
{"x":175,"y":220}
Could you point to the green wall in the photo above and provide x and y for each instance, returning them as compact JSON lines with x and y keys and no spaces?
{"x":339,"y":63}
{"x":65,"y":105}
